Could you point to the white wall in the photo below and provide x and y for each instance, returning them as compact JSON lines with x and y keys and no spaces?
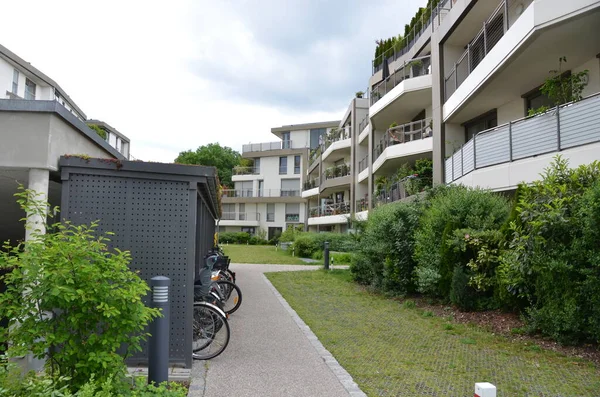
{"x":511,"y":111}
{"x":593,"y":68}
{"x":300,"y":139}
{"x":455,"y":137}
{"x":6,"y":77}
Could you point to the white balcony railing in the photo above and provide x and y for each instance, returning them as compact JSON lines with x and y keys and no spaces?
{"x":413,"y":68}
{"x":245,"y":171}
{"x":243,"y":193}
{"x":562,"y":127}
{"x":240,"y":216}
{"x":408,"y":132}
{"x":330,"y":209}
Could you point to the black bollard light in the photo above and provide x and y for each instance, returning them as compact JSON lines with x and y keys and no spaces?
{"x":326,"y":255}
{"x":158,"y":354}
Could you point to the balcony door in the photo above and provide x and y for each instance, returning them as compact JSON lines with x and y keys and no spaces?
{"x":480,"y":123}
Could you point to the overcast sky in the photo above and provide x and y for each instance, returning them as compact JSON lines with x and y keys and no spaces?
{"x":174,"y":75}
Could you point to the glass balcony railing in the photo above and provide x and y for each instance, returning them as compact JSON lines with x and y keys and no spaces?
{"x":292,"y":217}
{"x":335,"y":135}
{"x":363,"y":164}
{"x":311,"y":184}
{"x":402,"y":134}
{"x":265,"y":146}
{"x":361,"y":205}
{"x":330,"y":209}
{"x":413,"y":68}
{"x":402,"y":189}
{"x":240,"y":216}
{"x":563,"y":127}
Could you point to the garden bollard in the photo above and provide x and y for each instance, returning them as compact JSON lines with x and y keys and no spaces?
{"x":158,"y":353}
{"x":485,"y":389}
{"x":326,"y":255}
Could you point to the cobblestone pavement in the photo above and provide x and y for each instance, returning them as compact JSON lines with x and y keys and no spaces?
{"x":271,"y":351}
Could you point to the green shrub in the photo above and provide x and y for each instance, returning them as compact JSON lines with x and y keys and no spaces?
{"x":451,"y":209}
{"x":240,"y":238}
{"x":306,"y":244}
{"x":552,"y":257}
{"x":71,"y":300}
{"x":386,"y":244}
{"x":341,"y":258}
{"x":290,"y":234}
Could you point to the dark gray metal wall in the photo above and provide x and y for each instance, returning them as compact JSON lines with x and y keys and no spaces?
{"x":164,"y":222}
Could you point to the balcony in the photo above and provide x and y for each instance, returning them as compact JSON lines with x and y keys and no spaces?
{"x":502,"y":157}
{"x":337,"y":139}
{"x":252,"y":195}
{"x":295,"y":218}
{"x":478,"y":48}
{"x":336,"y":135}
{"x":414,"y":68}
{"x":401,"y":189}
{"x":337,"y":171}
{"x":330,"y":209}
{"x":240,"y":219}
{"x":363,"y":164}
{"x":266,"y":146}
{"x":245,"y":171}
{"x":311,"y":188}
{"x":313,"y":157}
{"x":407,"y":142}
{"x":408,"y":42}
{"x":361,"y":205}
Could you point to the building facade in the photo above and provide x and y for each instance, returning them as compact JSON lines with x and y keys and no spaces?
{"x":266,"y":197}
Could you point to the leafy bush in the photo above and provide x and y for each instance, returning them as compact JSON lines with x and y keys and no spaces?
{"x":70,"y":300}
{"x":306,"y":244}
{"x":341,"y":258}
{"x":552,"y":259}
{"x":290,"y":234}
{"x":451,"y":209}
{"x":387,"y":243}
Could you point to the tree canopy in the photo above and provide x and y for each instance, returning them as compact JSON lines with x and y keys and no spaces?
{"x":213,"y":154}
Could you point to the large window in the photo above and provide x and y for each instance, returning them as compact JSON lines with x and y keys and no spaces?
{"x":315,"y":134}
{"x":481,"y":123}
{"x":290,"y":187}
{"x":244,"y":189}
{"x":242,"y":212}
{"x":283,"y":165}
{"x":15,"y":82}
{"x":250,"y":230}
{"x":228,"y":212}
{"x":296,"y":164}
{"x":29,"y":89}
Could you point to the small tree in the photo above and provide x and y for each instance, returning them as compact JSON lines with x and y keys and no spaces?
{"x":70,"y":300}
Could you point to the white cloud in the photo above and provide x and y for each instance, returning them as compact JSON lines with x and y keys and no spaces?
{"x":130,"y":63}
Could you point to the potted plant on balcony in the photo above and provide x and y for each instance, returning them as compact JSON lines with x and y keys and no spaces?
{"x":328,"y":173}
{"x":359,"y":94}
{"x":344,"y":169}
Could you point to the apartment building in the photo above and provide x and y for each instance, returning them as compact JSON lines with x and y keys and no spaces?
{"x":114,"y":138}
{"x":461,"y":88}
{"x":267,"y":196}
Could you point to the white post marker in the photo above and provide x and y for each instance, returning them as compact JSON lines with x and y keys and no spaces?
{"x":485,"y":389}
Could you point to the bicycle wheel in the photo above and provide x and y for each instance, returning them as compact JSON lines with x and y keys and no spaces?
{"x":211,"y":331}
{"x":231,"y":294}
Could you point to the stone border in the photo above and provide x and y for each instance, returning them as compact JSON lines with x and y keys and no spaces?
{"x":343,"y":376}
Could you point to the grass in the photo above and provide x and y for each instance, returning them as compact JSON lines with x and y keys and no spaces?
{"x":264,"y":254}
{"x":391,"y":348}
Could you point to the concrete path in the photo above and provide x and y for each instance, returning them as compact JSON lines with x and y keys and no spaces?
{"x":271,"y":351}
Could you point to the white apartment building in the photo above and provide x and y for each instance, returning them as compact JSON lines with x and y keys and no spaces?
{"x":267,"y":196}
{"x":114,"y":138}
{"x":459,"y":91}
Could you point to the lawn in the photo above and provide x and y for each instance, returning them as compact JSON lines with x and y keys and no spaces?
{"x":265,"y":254}
{"x":392,"y":348}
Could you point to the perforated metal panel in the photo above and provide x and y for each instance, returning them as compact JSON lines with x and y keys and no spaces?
{"x":165,"y":224}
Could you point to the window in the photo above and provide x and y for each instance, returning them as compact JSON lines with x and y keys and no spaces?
{"x":315,"y":134}
{"x":481,"y":123}
{"x":274,"y":232}
{"x":290,"y":187}
{"x":257,"y":166}
{"x":260,"y":188}
{"x":286,"y":143}
{"x":292,"y":212}
{"x":228,"y":212}
{"x":296,"y":164}
{"x":243,"y":189}
{"x":29,"y":89}
{"x":15,"y":84}
{"x":242,"y":212}
{"x":282,"y":165}
{"x":118,"y":145}
{"x":270,"y":213}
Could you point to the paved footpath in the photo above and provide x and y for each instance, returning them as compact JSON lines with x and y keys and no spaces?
{"x":271,"y":351}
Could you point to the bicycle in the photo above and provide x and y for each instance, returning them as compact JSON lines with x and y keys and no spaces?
{"x":211,"y":331}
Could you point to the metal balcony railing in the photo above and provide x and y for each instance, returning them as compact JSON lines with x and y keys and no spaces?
{"x":337,"y":171}
{"x":562,"y":127}
{"x":414,"y":68}
{"x":311,"y":184}
{"x":335,"y":135}
{"x":494,"y":28}
{"x":265,"y":146}
{"x":416,"y":32}
{"x":330,"y":209}
{"x":242,"y":193}
{"x":314,"y":155}
{"x":246,"y":170}
{"x":363,"y":124}
{"x":402,"y":189}
{"x":404,"y":133}
{"x":240,"y":216}
{"x":363,"y":164}
{"x":361,"y":205}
